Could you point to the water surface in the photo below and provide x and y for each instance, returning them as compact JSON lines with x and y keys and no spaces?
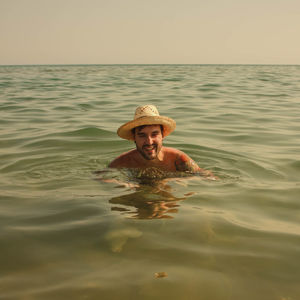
{"x":65,"y":234}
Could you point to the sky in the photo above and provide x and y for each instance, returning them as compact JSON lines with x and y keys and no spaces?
{"x":149,"y":32}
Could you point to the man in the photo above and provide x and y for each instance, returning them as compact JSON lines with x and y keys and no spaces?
{"x":147,"y":130}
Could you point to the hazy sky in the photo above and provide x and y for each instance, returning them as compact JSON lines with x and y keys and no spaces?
{"x":149,"y":31}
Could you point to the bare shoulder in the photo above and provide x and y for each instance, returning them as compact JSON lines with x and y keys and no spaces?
{"x":181,"y":160}
{"x":125,"y":160}
{"x":169,"y":150}
{"x":184,"y":163}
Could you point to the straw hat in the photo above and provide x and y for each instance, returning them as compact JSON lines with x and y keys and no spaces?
{"x":146,"y":115}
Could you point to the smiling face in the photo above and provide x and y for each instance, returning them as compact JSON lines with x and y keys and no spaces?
{"x":148,"y":140}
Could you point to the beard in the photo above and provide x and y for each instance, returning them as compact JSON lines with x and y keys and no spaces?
{"x":149,"y":152}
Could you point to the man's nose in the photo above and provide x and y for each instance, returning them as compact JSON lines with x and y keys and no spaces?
{"x":149,"y":140}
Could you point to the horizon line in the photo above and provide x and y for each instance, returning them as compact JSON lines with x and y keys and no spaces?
{"x":151,"y":64}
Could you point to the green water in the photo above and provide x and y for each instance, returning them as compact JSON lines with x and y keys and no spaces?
{"x":66,"y":234}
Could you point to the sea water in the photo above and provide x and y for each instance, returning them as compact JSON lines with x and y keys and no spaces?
{"x":67,"y":232}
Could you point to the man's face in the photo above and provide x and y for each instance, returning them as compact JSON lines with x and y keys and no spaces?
{"x":148,"y":140}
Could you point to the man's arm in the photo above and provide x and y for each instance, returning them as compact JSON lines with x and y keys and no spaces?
{"x":184,"y":163}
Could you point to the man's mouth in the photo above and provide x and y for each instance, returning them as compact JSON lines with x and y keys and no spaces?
{"x":149,"y":148}
{"x":149,"y":151}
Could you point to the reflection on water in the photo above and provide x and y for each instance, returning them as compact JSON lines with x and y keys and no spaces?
{"x":147,"y":203}
{"x":152,"y":196}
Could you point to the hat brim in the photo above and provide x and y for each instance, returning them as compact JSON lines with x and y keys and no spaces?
{"x":125,"y":131}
